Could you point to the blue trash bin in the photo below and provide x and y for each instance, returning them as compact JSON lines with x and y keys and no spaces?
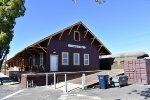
{"x":103,"y":81}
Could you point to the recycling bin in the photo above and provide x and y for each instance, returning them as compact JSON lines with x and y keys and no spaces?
{"x":103,"y":81}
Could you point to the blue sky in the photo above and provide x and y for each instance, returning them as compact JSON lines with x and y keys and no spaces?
{"x":122,"y":25}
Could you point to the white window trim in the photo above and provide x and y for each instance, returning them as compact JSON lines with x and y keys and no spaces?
{"x":65,"y":58}
{"x":86,"y":59}
{"x":41,"y":58}
{"x":74,"y":59}
{"x":74,"y":35}
{"x":33,"y":59}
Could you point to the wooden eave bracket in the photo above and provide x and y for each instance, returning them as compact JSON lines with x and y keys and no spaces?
{"x":86,"y":33}
{"x":39,"y":47}
{"x":101,"y":53}
{"x":100,"y":46}
{"x":78,"y":27}
{"x":61,"y":35}
{"x":70,"y":30}
{"x":42,"y":48}
{"x":92,"y":40}
{"x":49,"y":41}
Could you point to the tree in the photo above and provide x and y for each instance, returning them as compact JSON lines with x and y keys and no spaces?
{"x":9,"y":11}
{"x":97,"y":1}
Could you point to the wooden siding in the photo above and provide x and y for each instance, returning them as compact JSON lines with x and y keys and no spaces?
{"x":62,"y":46}
{"x":58,"y":42}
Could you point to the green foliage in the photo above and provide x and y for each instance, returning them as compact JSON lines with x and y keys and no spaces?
{"x":97,"y":1}
{"x":9,"y":11}
{"x":5,"y":39}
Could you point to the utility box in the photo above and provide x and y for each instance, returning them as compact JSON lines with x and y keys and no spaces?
{"x":121,"y":80}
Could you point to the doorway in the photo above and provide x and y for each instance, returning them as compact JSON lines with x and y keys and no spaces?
{"x":53,"y":62}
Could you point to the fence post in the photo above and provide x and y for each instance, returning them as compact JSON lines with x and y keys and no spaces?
{"x":27,"y":84}
{"x":108,"y":73}
{"x":83,"y":81}
{"x":32,"y":83}
{"x":108,"y":77}
{"x":55,"y":80}
{"x":46,"y":79}
{"x":65,"y":82}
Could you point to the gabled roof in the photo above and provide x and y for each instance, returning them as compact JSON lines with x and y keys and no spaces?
{"x":50,"y":36}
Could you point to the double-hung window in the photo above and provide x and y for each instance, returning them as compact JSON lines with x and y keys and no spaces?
{"x":86,"y":59}
{"x":65,"y":58}
{"x":76,"y":59}
{"x":41,"y":58}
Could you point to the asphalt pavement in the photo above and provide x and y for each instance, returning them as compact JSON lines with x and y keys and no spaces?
{"x":131,"y":92}
{"x":8,"y":88}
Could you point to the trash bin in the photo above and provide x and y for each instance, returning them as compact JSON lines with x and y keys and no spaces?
{"x":103,"y":81}
{"x":121,"y":80}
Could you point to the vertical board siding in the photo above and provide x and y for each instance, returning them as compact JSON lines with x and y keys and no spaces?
{"x":62,"y":46}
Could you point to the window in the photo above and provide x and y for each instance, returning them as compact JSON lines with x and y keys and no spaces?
{"x":65,"y":58}
{"x":41,"y":58}
{"x":86,"y":59}
{"x":33,"y":59}
{"x":76,"y":35}
{"x":76,"y":59}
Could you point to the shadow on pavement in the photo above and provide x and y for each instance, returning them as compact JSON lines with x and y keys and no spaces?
{"x":146,"y":93}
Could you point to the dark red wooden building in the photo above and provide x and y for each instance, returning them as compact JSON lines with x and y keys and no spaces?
{"x":74,"y":48}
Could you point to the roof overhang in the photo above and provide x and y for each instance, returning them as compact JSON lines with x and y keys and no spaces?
{"x":37,"y":47}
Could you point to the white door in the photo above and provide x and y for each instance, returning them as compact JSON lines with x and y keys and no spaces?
{"x":53,"y":62}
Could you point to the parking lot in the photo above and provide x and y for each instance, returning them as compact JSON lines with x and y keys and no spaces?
{"x":131,"y":92}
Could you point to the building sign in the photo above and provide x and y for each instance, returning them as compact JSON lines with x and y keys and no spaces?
{"x":76,"y":46}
